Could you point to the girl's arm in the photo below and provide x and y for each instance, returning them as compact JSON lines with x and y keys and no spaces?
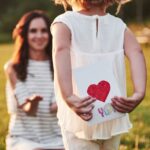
{"x":29,"y":104}
{"x":63,"y":74}
{"x":138,"y":73}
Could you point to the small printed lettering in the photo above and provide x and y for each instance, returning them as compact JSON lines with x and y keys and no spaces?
{"x":106,"y":110}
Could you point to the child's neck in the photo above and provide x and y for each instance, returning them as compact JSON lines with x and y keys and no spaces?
{"x":101,"y":11}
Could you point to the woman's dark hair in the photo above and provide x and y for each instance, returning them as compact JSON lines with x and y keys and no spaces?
{"x":21,"y":54}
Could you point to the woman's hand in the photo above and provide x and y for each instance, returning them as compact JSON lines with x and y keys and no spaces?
{"x":30,"y":107}
{"x":81,"y":106}
{"x":127,"y":105}
{"x":53,"y":107}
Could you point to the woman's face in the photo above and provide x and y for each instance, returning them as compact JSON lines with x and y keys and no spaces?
{"x":38,"y":37}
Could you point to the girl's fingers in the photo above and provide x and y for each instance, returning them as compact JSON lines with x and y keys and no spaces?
{"x":86,"y":117}
{"x":86,"y":98}
{"x":123,"y":102}
{"x":82,"y":107}
{"x":120,"y":106}
{"x":85,"y":109}
{"x":126,"y":101}
{"x":87,"y":102}
{"x":131,"y":101}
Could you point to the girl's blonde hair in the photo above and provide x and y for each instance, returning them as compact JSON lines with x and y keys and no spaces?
{"x":87,"y":3}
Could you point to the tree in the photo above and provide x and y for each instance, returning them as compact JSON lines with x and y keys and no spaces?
{"x":139,"y":10}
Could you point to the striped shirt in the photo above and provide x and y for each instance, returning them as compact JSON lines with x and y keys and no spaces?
{"x":43,"y":128}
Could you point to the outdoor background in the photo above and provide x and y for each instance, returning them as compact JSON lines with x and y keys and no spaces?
{"x":136,"y":14}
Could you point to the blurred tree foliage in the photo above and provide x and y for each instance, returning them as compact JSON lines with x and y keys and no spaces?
{"x":12,"y":10}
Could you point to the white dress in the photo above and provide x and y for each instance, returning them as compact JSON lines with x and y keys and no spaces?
{"x":27,"y":132}
{"x":94,"y":38}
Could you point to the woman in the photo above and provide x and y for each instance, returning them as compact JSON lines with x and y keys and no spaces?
{"x":30,"y":95}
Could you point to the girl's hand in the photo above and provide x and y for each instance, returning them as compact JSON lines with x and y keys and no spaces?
{"x":30,"y":107}
{"x":126,"y":105}
{"x":53,"y":107}
{"x":82,"y":107}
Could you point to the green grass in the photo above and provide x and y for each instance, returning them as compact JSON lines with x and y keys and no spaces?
{"x":5,"y":37}
{"x":137,"y":139}
{"x":5,"y":53}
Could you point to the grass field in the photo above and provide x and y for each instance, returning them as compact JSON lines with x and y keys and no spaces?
{"x":137,"y":139}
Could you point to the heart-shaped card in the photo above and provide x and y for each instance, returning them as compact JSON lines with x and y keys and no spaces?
{"x":99,"y":91}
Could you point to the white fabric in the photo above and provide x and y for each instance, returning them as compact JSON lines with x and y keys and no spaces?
{"x":18,"y":143}
{"x":42,"y":130}
{"x":88,"y":44}
{"x":71,"y":142}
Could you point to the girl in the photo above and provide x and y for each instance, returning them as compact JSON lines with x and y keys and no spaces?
{"x":33,"y":123}
{"x":83,"y":36}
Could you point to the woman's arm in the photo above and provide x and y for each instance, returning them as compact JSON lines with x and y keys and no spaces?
{"x":63,"y":74}
{"x":10,"y":74}
{"x":138,"y":73}
{"x":29,"y":103}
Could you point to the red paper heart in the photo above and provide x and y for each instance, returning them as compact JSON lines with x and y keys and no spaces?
{"x":91,"y":90}
{"x":99,"y":91}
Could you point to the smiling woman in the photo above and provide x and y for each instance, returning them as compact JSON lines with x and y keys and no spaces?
{"x":30,"y":93}
{"x":31,"y":33}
